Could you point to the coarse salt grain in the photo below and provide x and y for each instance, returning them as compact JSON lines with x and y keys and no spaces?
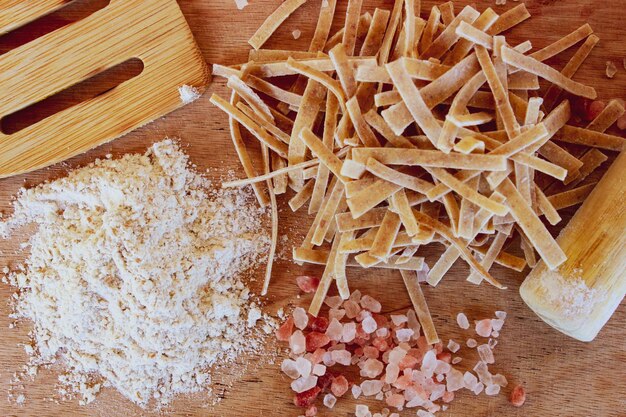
{"x":303,"y":366}
{"x":333,"y":302}
{"x":342,"y":357}
{"x":611,"y":69}
{"x":371,"y":304}
{"x":369,"y":325}
{"x":289,"y":368}
{"x":304,"y":383}
{"x":188,"y":94}
{"x":330,"y":400}
{"x":492,"y":389}
{"x":456,"y":360}
{"x":471,"y":343}
{"x":404,"y":335}
{"x":362,"y":411}
{"x":453,"y":346}
{"x":483,"y":328}
{"x":319,"y":369}
{"x":518,"y":396}
{"x":356,"y":391}
{"x":399,"y":319}
{"x":297,"y":342}
{"x":296,"y":34}
{"x":501,"y":315}
{"x":369,"y":388}
{"x":485,"y":353}
{"x":462,"y":321}
{"x":300,"y":318}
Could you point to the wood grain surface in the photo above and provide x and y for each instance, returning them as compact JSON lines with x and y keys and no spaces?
{"x":563,"y":377}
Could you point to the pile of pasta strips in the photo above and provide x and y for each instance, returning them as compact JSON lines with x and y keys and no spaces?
{"x":430,"y":132}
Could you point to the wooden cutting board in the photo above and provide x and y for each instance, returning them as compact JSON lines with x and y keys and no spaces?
{"x":563,"y":377}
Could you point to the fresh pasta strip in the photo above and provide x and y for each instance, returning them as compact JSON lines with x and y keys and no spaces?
{"x":273,"y":21}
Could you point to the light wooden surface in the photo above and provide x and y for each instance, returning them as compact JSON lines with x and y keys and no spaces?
{"x":563,"y":377}
{"x":123,"y":30}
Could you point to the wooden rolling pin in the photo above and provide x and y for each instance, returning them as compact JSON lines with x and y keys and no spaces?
{"x":580,"y":296}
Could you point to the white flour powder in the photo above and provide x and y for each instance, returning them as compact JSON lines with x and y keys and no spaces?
{"x":133,"y":277}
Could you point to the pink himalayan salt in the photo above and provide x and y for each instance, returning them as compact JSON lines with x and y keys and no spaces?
{"x":454,"y":380}
{"x":440,"y":377}
{"x":303,"y":366}
{"x":453,"y":346}
{"x":342,"y":357}
{"x":404,"y":335}
{"x":429,"y":362}
{"x":485,"y":353}
{"x":413,"y":322}
{"x":496,"y":324}
{"x":395,"y":400}
{"x":423,"y":413}
{"x":371,"y":304}
{"x":500,"y":379}
{"x":456,"y":360}
{"x":437,"y":392}
{"x":391,"y":374}
{"x":394,"y":415}
{"x":328,"y":359}
{"x":300,"y":318}
{"x":371,"y":387}
{"x":471,"y":343}
{"x":315,"y":340}
{"x":382,"y":332}
{"x":442,"y":367}
{"x":339,"y":386}
{"x":297,"y":342}
{"x":330,"y":400}
{"x":304,"y":384}
{"x":356,"y":391}
{"x":372,"y":368}
{"x":317,"y":356}
{"x":483,"y":328}
{"x":469,"y":380}
{"x":334,"y":330}
{"x":336,"y":314}
{"x":408,"y":362}
{"x":355,"y":296}
{"x":352,"y":309}
{"x":370,"y":352}
{"x":362,"y":315}
{"x":495,"y":334}
{"x":362,"y":411}
{"x":311,"y":411}
{"x":348,"y":332}
{"x":447,"y":397}
{"x":380,"y":344}
{"x":333,"y":302}
{"x":289,"y":368}
{"x":501,"y":315}
{"x":462,"y":321}
{"x":478,"y":388}
{"x":399,"y":319}
{"x":396,"y":355}
{"x":379,"y":396}
{"x":492,"y":389}
{"x":369,"y":325}
{"x":319,"y":369}
{"x":483,"y":373}
{"x":307,"y":284}
{"x":283,"y":333}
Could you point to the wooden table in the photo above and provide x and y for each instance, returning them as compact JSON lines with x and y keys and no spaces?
{"x":562,"y":377}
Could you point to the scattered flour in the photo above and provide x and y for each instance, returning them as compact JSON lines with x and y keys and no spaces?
{"x":134,"y":275}
{"x":188,"y":94}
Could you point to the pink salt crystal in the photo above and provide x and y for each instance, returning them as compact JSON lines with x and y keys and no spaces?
{"x":394,"y":415}
{"x":454,"y":380}
{"x":396,"y":355}
{"x":311,"y":411}
{"x":496,"y":324}
{"x":500,"y":379}
{"x":456,"y":360}
{"x":462,"y":321}
{"x":469,"y":380}
{"x":334,"y":330}
{"x":333,"y":302}
{"x":352,"y":309}
{"x":372,"y":387}
{"x":362,"y":411}
{"x":307,"y":284}
{"x":319,"y":369}
{"x":453,"y":346}
{"x":380,"y":344}
{"x":442,"y":367}
{"x":284,"y":331}
{"x":370,"y":352}
{"x":429,"y":362}
{"x":379,"y":396}
{"x":356,"y":391}
{"x":413,"y":323}
{"x":483,"y":373}
{"x":447,"y":397}
{"x":440,"y":377}
{"x":399,"y":319}
{"x":471,"y":343}
{"x":342,"y":357}
{"x":483,"y":328}
{"x":328,"y":359}
{"x":355,"y":296}
{"x":369,"y":325}
{"x":348,"y":332}
{"x":501,"y":315}
{"x":289,"y":368}
{"x":391,"y":374}
{"x":408,"y":362}
{"x":382,"y":332}
{"x":330,"y":400}
{"x":336,"y":314}
{"x":304,"y":384}
{"x":303,"y":366}
{"x":370,"y":304}
{"x":339,"y":386}
{"x":423,"y":413}
{"x":492,"y":389}
{"x":437,"y":392}
{"x":297,"y":342}
{"x":316,"y":357}
{"x":395,"y":400}
{"x":485,"y":353}
{"x":478,"y":388}
{"x":362,"y":315}
{"x":385,"y":356}
{"x":445,"y":357}
{"x":404,"y":335}
{"x":372,"y":368}
{"x":402,"y":383}
{"x":315,"y":340}
{"x":300,"y":318}
{"x":495,"y":334}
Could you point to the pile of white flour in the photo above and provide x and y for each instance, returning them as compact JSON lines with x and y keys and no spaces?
{"x":134,"y":274}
